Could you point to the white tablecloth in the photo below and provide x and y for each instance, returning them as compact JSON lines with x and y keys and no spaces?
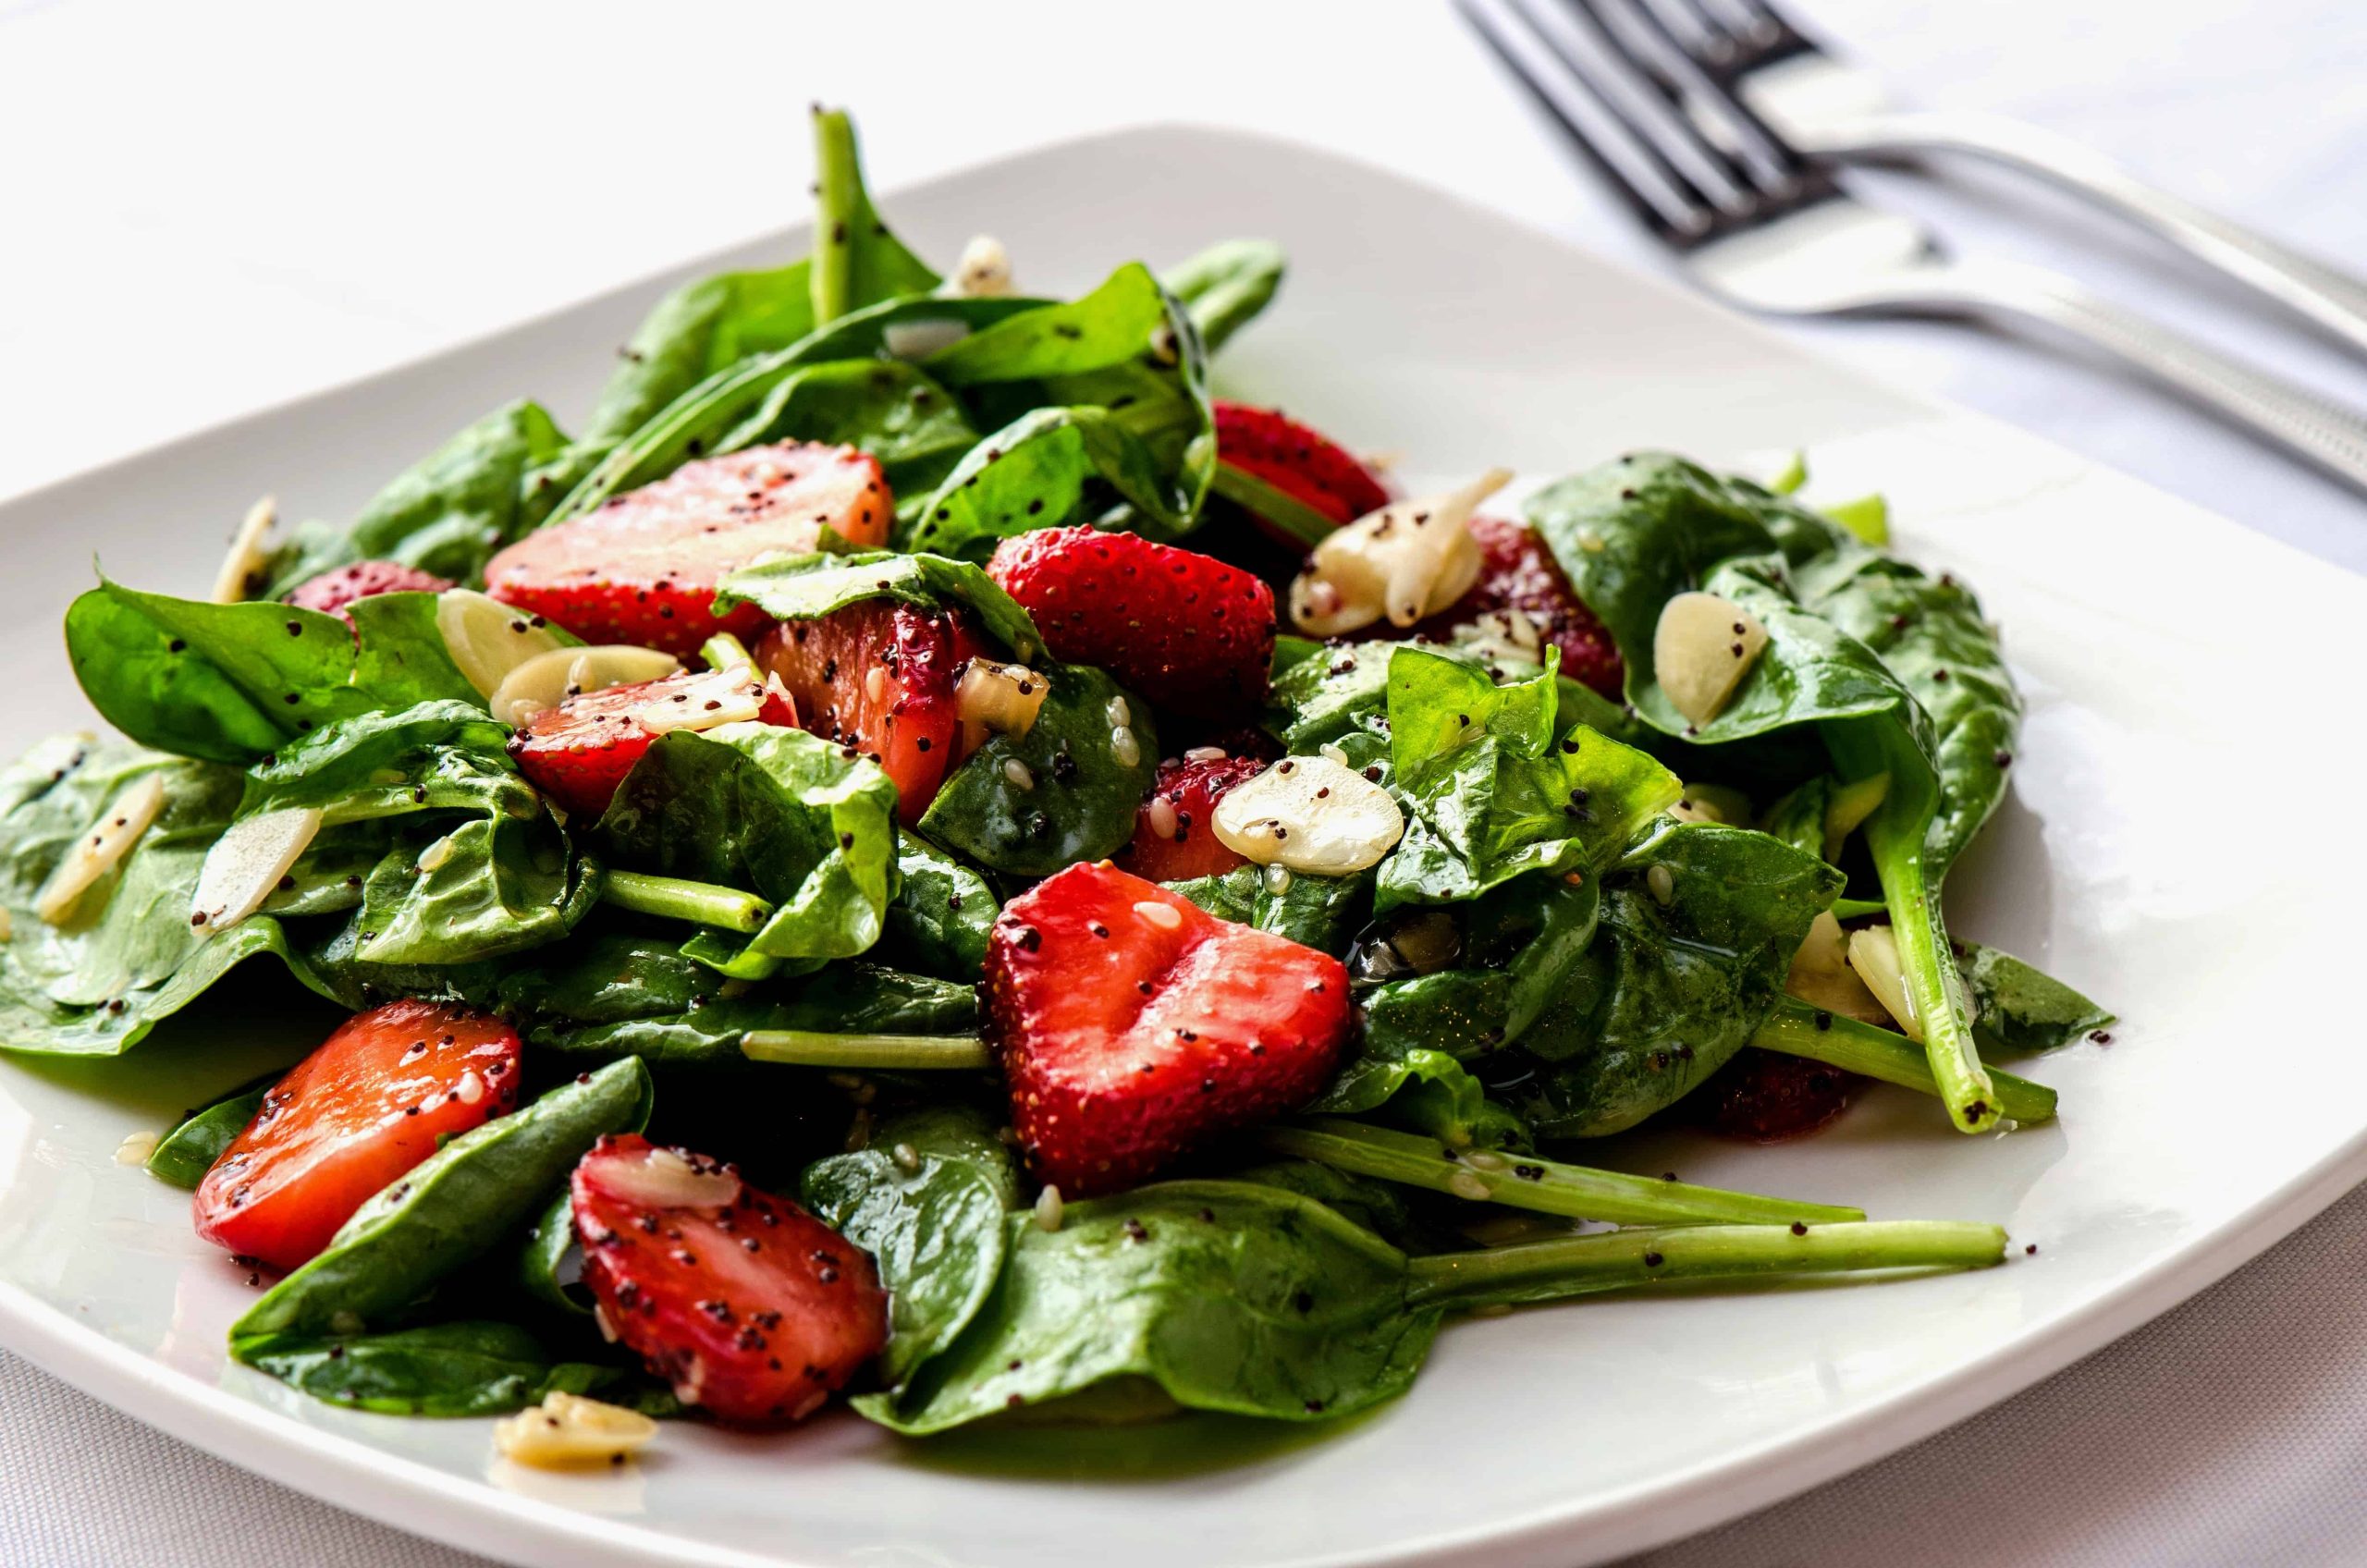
{"x":208,"y":209}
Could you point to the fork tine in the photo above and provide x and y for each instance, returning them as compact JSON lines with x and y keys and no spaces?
{"x":1745,"y":156}
{"x":1582,"y":48}
{"x":1667,"y":203}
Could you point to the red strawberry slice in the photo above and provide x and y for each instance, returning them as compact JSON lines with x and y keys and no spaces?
{"x":371,"y":1102}
{"x":332,"y":591}
{"x":578,"y":751}
{"x":1518,"y":573}
{"x":879,"y":676}
{"x":1173,"y":839}
{"x":755,"y":1310}
{"x":1184,"y":630}
{"x":1132,"y":1025}
{"x":644,"y":568}
{"x":1306,"y":466}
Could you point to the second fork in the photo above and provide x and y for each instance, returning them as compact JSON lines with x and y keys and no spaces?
{"x":1756,"y":223}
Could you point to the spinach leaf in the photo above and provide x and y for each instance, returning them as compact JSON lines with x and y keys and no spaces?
{"x":809,"y":587}
{"x":1491,"y":794}
{"x":1226,"y":286}
{"x":913,"y":427}
{"x":126,"y":957}
{"x":456,"y":1206}
{"x":778,"y":810}
{"x":465,"y":1368}
{"x":1697,"y":928}
{"x":1427,"y":1091}
{"x":856,"y":262}
{"x":486,"y":487}
{"x":189,"y":1151}
{"x":698,"y":329}
{"x":223,"y":682}
{"x":1899,"y":673}
{"x":1072,"y":796}
{"x":942,"y":914}
{"x":1379,"y":1206}
{"x":1515,"y":949}
{"x":611,"y":994}
{"x":1315,"y":912}
{"x":1226,"y":1295}
{"x":1105,"y":418}
{"x":926,"y":1200}
{"x":400,"y":656}
{"x":2018,"y":1009}
{"x":1251,"y":1299}
{"x":542,"y":1254}
{"x":504,"y":877}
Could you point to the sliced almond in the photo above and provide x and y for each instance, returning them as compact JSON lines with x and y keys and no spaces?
{"x":984,"y":272}
{"x":549,"y":678}
{"x":247,"y":563}
{"x":1715,"y":803}
{"x":1702,"y":648}
{"x":567,"y":1431}
{"x":1310,"y":814}
{"x":101,"y":848}
{"x":1407,"y":560}
{"x":1822,"y":977}
{"x":719,"y":697}
{"x":488,"y":639}
{"x":1003,"y":698}
{"x":1873,"y":953}
{"x":245,"y":864}
{"x":663,"y":1178}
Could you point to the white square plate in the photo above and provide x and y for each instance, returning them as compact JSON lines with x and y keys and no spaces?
{"x":2147,"y":854}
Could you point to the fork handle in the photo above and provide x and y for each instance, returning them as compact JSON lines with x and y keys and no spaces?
{"x":2308,"y":425}
{"x":2332,"y":300}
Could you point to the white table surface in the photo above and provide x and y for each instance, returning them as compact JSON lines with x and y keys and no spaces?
{"x":209,"y":209}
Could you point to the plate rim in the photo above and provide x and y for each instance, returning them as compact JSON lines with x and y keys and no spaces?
{"x":474,"y":1514}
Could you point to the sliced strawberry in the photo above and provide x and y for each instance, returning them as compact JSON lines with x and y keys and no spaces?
{"x":350,"y":1119}
{"x":1173,"y":840}
{"x":1184,"y":630}
{"x":1518,"y":574}
{"x":332,"y":591}
{"x":1132,"y":1025}
{"x":753,"y":1309}
{"x":644,"y":568}
{"x":578,"y":751}
{"x":1299,"y":463}
{"x":1765,"y":1097}
{"x":879,"y":676}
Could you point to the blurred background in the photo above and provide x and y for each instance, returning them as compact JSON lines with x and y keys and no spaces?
{"x":212,"y":209}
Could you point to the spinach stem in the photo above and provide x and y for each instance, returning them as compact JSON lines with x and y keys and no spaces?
{"x":723,"y":650}
{"x":674,"y":898}
{"x":1285,"y":511}
{"x":1526,"y":1181}
{"x":836,"y":181}
{"x":1930,"y":970}
{"x":1793,"y":1030}
{"x":1614,"y":1260}
{"x":884,"y":1053}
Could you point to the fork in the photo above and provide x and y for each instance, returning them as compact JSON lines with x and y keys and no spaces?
{"x":1761,"y":226}
{"x":1828,"y":107}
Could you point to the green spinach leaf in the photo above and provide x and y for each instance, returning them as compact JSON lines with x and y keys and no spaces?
{"x":926,"y":1200}
{"x":1072,"y":796}
{"x":1315,"y":912}
{"x":856,"y":262}
{"x":189,"y":1151}
{"x":942,"y":914}
{"x":465,"y":1368}
{"x":778,"y":810}
{"x":2017,"y":1009}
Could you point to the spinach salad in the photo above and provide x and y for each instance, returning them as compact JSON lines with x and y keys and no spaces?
{"x":921,"y":855}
